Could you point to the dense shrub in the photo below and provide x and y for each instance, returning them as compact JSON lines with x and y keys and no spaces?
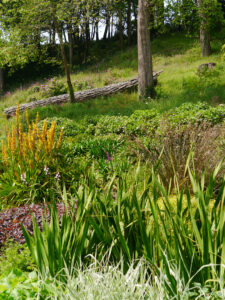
{"x":196,"y":113}
{"x":141,"y":122}
{"x":111,"y":124}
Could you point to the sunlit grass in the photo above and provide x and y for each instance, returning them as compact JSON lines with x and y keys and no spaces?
{"x":178,"y":57}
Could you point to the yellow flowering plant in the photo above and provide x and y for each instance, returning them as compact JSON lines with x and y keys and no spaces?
{"x":30,"y":159}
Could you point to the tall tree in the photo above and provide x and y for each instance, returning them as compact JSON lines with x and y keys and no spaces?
{"x":204,"y":28}
{"x":63,"y":53}
{"x":145,"y":71}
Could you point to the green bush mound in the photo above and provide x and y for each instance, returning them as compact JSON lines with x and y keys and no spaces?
{"x":197,"y":113}
{"x":141,"y":122}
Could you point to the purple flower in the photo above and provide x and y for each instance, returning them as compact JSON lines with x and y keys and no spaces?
{"x":8,"y":93}
{"x":108,"y":156}
{"x":76,"y":204}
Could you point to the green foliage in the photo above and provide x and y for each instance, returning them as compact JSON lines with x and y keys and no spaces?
{"x":62,"y":243}
{"x":197,"y":113}
{"x":82,"y":85}
{"x":103,"y":225}
{"x":70,"y":127}
{"x":31,"y":164}
{"x":142,"y":122}
{"x":53,"y":88}
{"x":19,"y":285}
{"x":95,"y":139}
{"x":15,"y":256}
{"x":97,"y":148}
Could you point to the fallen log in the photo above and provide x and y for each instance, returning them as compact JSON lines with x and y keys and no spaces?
{"x":79,"y":96}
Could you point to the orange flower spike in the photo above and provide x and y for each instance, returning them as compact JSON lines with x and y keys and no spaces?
{"x":48,"y":143}
{"x":44,"y":131}
{"x":13,"y":149}
{"x":27,"y":118}
{"x":33,"y":127}
{"x":21,"y":151}
{"x":17,"y":176}
{"x":25,"y":145}
{"x":30,"y":164}
{"x":20,"y":133}
{"x":36,"y":157}
{"x":29,"y":130}
{"x":33,"y":142}
{"x":52,"y":136}
{"x":9,"y":141}
{"x":40,"y":143}
{"x":60,"y":138}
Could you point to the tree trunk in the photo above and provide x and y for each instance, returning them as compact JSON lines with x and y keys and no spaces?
{"x":129,"y":23}
{"x":78,"y":43}
{"x":121,"y":28}
{"x":145,"y":73}
{"x":79,"y":96}
{"x":135,"y":13}
{"x":109,"y":30}
{"x":87,"y":40}
{"x":97,"y":32}
{"x":64,"y":34}
{"x":93,"y":32}
{"x":204,"y":31}
{"x":205,"y":41}
{"x":106,"y":26}
{"x":112,"y":24}
{"x":70,"y":37}
{"x":63,"y":53}
{"x":53,"y":35}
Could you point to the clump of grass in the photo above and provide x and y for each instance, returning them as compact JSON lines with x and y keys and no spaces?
{"x":172,"y":145}
{"x":102,"y":280}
